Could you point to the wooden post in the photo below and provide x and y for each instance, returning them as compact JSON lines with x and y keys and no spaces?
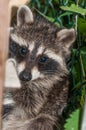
{"x":4,"y":24}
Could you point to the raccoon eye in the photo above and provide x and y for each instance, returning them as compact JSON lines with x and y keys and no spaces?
{"x":43,"y":59}
{"x":23,"y":51}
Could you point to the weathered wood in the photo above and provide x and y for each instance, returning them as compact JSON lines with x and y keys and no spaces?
{"x":11,"y":78}
{"x":18,"y":2}
{"x":14,"y":4}
{"x":4,"y":23}
{"x":83,"y":122}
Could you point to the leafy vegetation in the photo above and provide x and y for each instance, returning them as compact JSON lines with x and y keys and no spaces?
{"x":70,"y":14}
{"x":73,"y":121}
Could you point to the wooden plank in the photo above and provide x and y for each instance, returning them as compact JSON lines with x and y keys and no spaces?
{"x":83,"y":122}
{"x":17,"y":3}
{"x":11,"y":78}
{"x":4,"y":24}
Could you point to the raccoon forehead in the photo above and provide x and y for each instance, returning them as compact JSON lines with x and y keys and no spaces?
{"x":39,"y":49}
{"x":57,"y":57}
{"x":32,"y":46}
{"x":19,"y":40}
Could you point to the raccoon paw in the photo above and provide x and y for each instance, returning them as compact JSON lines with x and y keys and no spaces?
{"x":42,"y":122}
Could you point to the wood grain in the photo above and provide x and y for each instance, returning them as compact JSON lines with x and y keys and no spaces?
{"x":4,"y":24}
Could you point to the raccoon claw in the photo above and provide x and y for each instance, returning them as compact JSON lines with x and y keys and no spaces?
{"x":42,"y":123}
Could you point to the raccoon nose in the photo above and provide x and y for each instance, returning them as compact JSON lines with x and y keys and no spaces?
{"x":25,"y":76}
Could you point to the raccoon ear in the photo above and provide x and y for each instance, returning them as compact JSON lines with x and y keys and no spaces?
{"x":66,"y":37}
{"x":24,"y":15}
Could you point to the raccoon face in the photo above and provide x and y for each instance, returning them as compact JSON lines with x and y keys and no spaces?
{"x":39,"y":48}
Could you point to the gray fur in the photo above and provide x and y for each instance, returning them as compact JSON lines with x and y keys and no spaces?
{"x":40,"y":102}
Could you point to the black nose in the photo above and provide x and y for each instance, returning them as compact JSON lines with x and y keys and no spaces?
{"x":25,"y":76}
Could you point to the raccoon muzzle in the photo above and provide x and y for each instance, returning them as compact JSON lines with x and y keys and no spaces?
{"x":25,"y":76}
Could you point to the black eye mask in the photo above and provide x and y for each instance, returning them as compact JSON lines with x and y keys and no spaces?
{"x":23,"y":51}
{"x":43,"y":59}
{"x":17,"y":51}
{"x":13,"y":47}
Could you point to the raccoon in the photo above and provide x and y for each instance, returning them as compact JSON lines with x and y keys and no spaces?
{"x":40,"y":50}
